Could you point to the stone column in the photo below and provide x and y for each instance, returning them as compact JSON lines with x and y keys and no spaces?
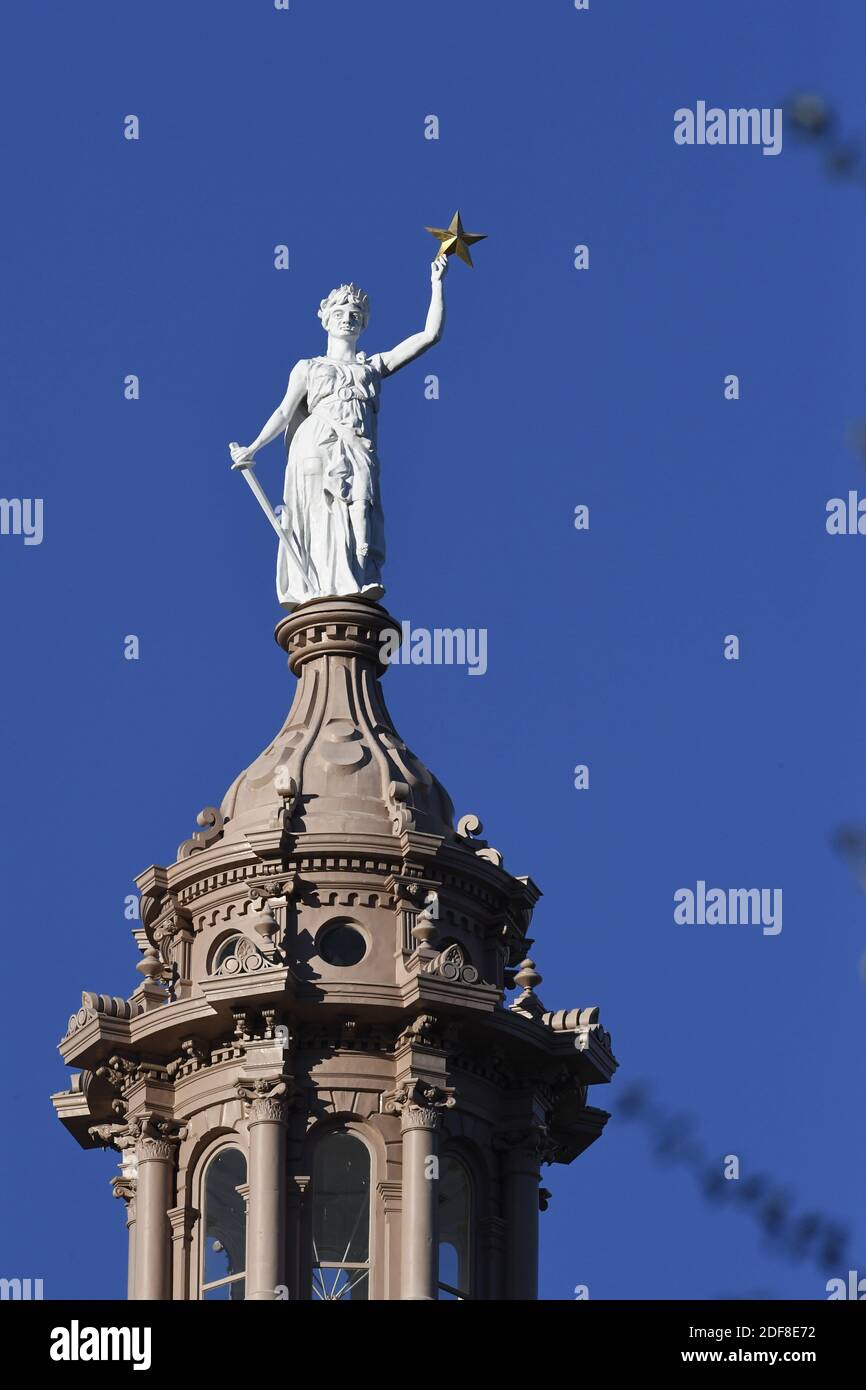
{"x":420,"y":1220}
{"x":419,"y":1106}
{"x":521,"y":1173}
{"x":154,"y":1191}
{"x":267,"y":1120}
{"x":492,"y":1238}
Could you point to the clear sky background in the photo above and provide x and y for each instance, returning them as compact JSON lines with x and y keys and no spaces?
{"x":558,"y":387}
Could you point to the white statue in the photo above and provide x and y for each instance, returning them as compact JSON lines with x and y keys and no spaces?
{"x":332,"y":534}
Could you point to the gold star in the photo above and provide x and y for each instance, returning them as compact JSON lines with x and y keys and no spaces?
{"x":454,"y":241}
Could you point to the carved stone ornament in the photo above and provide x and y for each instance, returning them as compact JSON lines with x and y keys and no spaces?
{"x":245,"y":959}
{"x":527,"y":1002}
{"x":125,"y":1188}
{"x":469,"y":828}
{"x":453,"y":965}
{"x":267,"y":1098}
{"x":93,"y":1005}
{"x":157,"y":1150}
{"x":119,"y":1072}
{"x":153,"y":1136}
{"x":211,"y":821}
{"x":419,"y":1104}
{"x":534,"y":1139}
{"x":170,"y":921}
{"x":193,"y":1056}
{"x":338,"y":749}
{"x":423,"y":1031}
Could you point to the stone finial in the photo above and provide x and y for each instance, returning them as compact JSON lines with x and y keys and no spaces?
{"x":425,"y":925}
{"x":150,"y":966}
{"x":527,"y":1002}
{"x":527,"y":976}
{"x":262,"y":920}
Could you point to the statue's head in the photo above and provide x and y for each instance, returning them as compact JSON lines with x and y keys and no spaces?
{"x":345,"y":313}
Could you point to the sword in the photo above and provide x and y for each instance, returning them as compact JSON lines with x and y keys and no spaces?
{"x":291,"y":554}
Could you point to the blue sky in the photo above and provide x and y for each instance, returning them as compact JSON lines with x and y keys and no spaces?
{"x":558,"y":387}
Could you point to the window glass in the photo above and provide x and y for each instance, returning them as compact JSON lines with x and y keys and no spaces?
{"x":454,"y":1230}
{"x":340,"y":1196}
{"x":341,"y":945}
{"x":224,"y":1227}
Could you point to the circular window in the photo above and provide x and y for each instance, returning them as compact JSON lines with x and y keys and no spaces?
{"x":341,"y":944}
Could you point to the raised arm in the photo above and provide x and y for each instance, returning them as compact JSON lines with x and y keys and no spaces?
{"x":243,"y":457}
{"x":413,"y":347}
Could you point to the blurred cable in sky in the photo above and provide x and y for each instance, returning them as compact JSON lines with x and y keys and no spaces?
{"x":809,"y":1236}
{"x":813,"y":121}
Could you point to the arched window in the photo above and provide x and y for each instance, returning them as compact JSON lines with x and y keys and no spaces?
{"x":340,"y":1209}
{"x":455,"y":1234}
{"x":224,"y":1227}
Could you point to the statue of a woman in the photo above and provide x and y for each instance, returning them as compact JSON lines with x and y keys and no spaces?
{"x":332,"y":508}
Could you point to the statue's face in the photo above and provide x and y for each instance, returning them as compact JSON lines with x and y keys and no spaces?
{"x":345,"y":321}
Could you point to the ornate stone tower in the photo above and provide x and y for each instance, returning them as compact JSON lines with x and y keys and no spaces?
{"x":320,"y":1089}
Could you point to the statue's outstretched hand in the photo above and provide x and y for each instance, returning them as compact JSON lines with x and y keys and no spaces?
{"x":241,"y":457}
{"x":438,"y":268}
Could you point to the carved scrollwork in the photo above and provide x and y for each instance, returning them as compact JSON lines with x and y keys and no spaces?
{"x":212,"y":822}
{"x":490,"y":855}
{"x":453,"y":964}
{"x":287,"y":789}
{"x":469,"y":828}
{"x":244,"y":959}
{"x":401,"y":813}
{"x":584,"y":1023}
{"x":94,"y":1004}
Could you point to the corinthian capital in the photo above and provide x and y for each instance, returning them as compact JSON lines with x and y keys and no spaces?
{"x":159,"y":1139}
{"x":267,"y":1098}
{"x":419,"y":1104}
